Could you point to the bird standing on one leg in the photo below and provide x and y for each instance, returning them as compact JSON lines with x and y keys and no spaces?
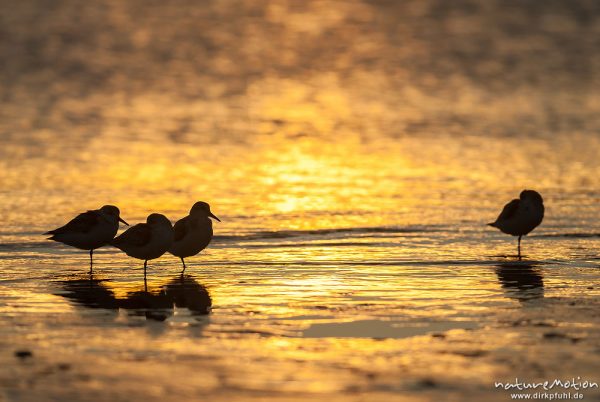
{"x":146,"y":241}
{"x":89,"y":230}
{"x":193,"y":233}
{"x":519,"y":217}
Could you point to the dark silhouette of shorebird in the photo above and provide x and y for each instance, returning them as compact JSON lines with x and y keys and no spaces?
{"x":186,"y":292}
{"x":89,"y":292}
{"x":89,"y":230}
{"x":194,"y":232}
{"x":521,"y":281}
{"x":521,"y":216}
{"x":157,"y":304}
{"x":146,"y":241}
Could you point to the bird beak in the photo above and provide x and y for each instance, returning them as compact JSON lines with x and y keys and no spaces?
{"x":121,"y":220}
{"x":213,"y":216}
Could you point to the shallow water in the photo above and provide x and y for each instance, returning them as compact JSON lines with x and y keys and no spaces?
{"x":354,"y":152}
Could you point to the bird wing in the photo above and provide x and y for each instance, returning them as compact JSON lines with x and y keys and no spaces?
{"x":180,"y":228}
{"x":82,"y":223}
{"x":138,"y":235}
{"x":509,"y":210}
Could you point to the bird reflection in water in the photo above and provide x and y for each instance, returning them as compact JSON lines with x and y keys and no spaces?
{"x":521,"y":281}
{"x":182,"y":291}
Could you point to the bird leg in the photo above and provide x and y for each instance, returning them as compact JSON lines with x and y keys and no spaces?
{"x":183,"y":262}
{"x":91,"y":260}
{"x":145,"y":283}
{"x":519,"y":248}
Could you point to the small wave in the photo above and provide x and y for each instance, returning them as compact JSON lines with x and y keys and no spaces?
{"x":16,"y":246}
{"x":399,"y":263}
{"x":315,"y":244}
{"x":284,"y":234}
{"x":261,"y":235}
{"x":41,"y":245}
{"x":571,"y":235}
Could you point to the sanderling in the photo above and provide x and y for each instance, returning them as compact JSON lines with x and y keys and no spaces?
{"x":194,"y":232}
{"x":521,"y":216}
{"x":89,"y":230}
{"x":146,"y":241}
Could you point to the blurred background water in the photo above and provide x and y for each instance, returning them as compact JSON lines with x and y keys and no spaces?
{"x":354,"y":151}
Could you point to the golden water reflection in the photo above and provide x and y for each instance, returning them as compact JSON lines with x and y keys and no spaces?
{"x":156,"y":302}
{"x":354,"y":151}
{"x":522,"y":281}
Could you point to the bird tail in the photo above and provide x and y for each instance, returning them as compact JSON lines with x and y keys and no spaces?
{"x":492,"y":224}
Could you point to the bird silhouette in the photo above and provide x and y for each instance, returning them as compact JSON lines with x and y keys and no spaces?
{"x":521,"y":216}
{"x":89,"y":230}
{"x":194,"y":232}
{"x":146,"y":241}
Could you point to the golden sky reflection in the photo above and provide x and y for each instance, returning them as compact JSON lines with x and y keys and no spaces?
{"x":301,"y":183}
{"x":354,"y":151}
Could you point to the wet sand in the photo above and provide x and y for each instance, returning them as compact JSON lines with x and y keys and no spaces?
{"x":270,"y":333}
{"x":354,"y":151}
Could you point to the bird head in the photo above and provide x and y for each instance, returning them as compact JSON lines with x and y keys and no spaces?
{"x":531,"y":195}
{"x":158,"y":219}
{"x":202,"y":209}
{"x":113,"y":211}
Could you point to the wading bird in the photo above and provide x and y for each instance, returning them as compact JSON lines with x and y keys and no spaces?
{"x":194,"y":232}
{"x":521,"y":216}
{"x":89,"y":230}
{"x":146,"y":241}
